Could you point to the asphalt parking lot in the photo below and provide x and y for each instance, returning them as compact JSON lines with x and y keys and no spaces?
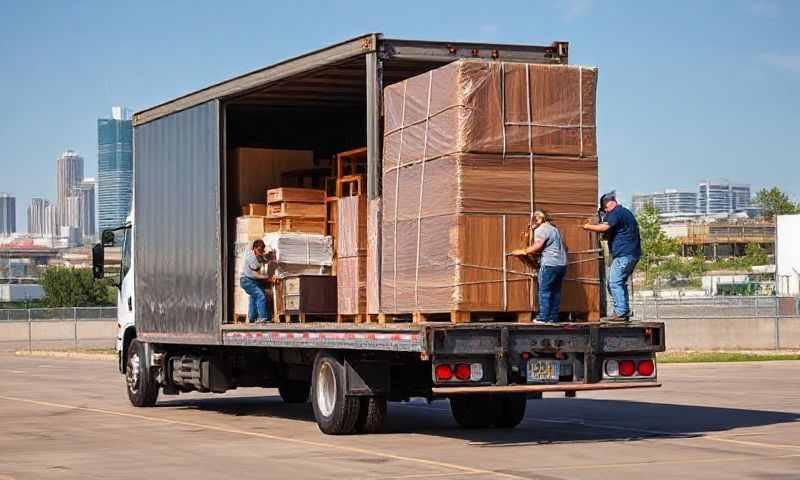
{"x":68,"y":418}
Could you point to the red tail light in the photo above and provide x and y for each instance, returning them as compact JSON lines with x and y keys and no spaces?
{"x":646,"y":368}
{"x":462,"y":371}
{"x":444,"y":372}
{"x":626,"y":368}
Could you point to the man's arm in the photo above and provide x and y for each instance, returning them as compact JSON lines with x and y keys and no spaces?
{"x":537,"y":246}
{"x":599,"y":228}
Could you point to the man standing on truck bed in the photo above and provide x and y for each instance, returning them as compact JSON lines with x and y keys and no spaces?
{"x":625,"y":247}
{"x":547,"y":240}
{"x":253,"y":281}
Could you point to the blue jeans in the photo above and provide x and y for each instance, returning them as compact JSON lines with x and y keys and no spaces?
{"x":550,"y":278}
{"x":621,"y":269}
{"x":259,"y":302}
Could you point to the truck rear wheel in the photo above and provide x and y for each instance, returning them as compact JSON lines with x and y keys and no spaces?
{"x":335,"y":412}
{"x":475,"y":411}
{"x":294,"y":391}
{"x":139,"y":379}
{"x":511,"y":411}
{"x":372,"y":416}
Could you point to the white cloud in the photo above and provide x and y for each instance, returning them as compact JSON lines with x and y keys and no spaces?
{"x":577,"y":8}
{"x":784,"y":61}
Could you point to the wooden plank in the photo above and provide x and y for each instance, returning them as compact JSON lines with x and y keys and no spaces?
{"x":286,"y":194}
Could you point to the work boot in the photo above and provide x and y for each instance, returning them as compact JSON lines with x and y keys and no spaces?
{"x":618,"y":318}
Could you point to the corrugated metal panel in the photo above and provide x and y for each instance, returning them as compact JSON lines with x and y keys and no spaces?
{"x":177,"y":227}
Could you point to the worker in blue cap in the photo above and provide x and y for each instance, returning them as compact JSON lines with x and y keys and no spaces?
{"x":625,"y":246}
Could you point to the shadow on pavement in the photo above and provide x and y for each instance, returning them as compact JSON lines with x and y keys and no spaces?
{"x":547,"y":421}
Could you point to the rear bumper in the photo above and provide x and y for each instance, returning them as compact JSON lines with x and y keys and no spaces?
{"x":566,"y":387}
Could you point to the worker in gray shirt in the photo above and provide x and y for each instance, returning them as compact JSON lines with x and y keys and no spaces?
{"x":254,"y":282}
{"x":547,"y":243}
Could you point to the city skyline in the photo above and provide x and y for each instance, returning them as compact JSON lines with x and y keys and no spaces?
{"x":114,"y":168}
{"x":656,"y":121}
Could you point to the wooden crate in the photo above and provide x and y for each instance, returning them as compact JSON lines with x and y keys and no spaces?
{"x":254,"y":209}
{"x":306,"y":295}
{"x":296,"y":209}
{"x":303,"y":195}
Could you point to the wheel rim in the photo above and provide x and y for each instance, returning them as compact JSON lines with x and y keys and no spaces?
{"x":132,"y":375}
{"x":326,"y":390}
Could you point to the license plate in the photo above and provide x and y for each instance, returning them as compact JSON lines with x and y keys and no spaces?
{"x":543,"y":371}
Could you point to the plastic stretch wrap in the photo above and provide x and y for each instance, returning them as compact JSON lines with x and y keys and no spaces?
{"x":300,"y":248}
{"x":450,"y":217}
{"x":491,"y":107}
{"x":373,"y":258}
{"x":351,"y":255}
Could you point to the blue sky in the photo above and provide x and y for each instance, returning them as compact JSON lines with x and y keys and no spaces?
{"x":687,"y":90}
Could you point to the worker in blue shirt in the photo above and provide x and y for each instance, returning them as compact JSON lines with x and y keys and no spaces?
{"x":624,"y":244}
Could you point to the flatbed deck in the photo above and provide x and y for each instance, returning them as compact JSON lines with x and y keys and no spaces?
{"x":419,"y":337}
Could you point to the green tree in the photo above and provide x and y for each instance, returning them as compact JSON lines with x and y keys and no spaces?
{"x":69,"y":287}
{"x":774,"y":202}
{"x":755,"y":255}
{"x":655,"y":243}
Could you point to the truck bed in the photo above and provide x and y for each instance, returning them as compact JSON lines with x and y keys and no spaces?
{"x":432,"y":338}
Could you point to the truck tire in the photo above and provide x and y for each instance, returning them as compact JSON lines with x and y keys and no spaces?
{"x":511,"y":411}
{"x":475,"y":411}
{"x":294,"y":391}
{"x":139,"y":379}
{"x":372,"y":416}
{"x":335,"y":412}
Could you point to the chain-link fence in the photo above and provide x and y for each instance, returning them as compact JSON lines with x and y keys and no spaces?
{"x":58,"y":328}
{"x":658,"y":309}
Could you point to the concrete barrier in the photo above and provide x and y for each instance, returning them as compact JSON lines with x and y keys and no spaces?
{"x":732,"y":333}
{"x":681,"y":334}
{"x":57,"y":334}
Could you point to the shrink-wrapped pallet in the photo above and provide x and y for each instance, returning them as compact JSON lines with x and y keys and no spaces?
{"x":351,"y":255}
{"x":373,"y":256}
{"x":451,"y":216}
{"x":491,"y":107}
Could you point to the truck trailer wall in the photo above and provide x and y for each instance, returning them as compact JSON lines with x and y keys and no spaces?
{"x":177,"y":235}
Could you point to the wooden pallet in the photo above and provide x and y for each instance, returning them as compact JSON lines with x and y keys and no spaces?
{"x":304,"y":317}
{"x":357,"y":318}
{"x":455,"y":316}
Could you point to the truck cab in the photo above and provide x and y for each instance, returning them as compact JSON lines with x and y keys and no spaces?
{"x":126,"y":302}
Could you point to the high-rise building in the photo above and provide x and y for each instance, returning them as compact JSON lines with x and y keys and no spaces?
{"x":670,"y":201}
{"x":37,"y":216}
{"x":8,"y":214}
{"x":70,"y":175}
{"x":52,"y":224}
{"x":114,"y":169}
{"x":721,"y":196}
{"x":86,"y":207}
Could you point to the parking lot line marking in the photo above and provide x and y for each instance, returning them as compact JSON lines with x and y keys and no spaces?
{"x":361,"y":451}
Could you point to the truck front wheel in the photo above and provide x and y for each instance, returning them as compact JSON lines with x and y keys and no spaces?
{"x":335,"y":412}
{"x":139,"y":379}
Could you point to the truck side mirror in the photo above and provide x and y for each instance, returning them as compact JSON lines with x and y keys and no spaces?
{"x":107,"y":238}
{"x":98,"y":259}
